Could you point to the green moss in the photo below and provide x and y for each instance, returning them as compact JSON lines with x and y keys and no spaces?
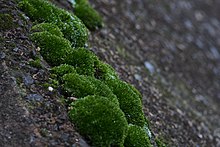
{"x":83,"y":61}
{"x":107,"y":104}
{"x":81,"y":1}
{"x":51,"y":83}
{"x":48,"y":27}
{"x":54,"y":49}
{"x":104,"y":71}
{"x":135,"y":91}
{"x":57,"y":50}
{"x":80,"y":86}
{"x":88,"y":15}
{"x":6,"y":22}
{"x":36,"y":63}
{"x":70,"y":25}
{"x":129,"y":102}
{"x":100,"y":120}
{"x":136,"y":137}
{"x":62,"y":70}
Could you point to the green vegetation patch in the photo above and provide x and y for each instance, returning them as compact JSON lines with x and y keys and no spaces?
{"x":83,"y":60}
{"x":57,"y":50}
{"x":48,"y":27}
{"x":136,"y":137}
{"x":54,"y":49}
{"x":70,"y":25}
{"x":36,"y":63}
{"x":80,"y":86}
{"x":62,"y":69}
{"x":6,"y":22}
{"x":104,"y":71}
{"x":129,"y":102}
{"x":100,"y":120}
{"x":106,"y":105}
{"x":135,"y":91}
{"x":87,"y":14}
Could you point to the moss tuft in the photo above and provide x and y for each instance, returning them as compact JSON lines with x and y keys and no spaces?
{"x":129,"y":102}
{"x":62,"y":70}
{"x":35,"y":63}
{"x":54,"y":49}
{"x":83,"y":61}
{"x":57,"y":50}
{"x":70,"y":25}
{"x":81,"y":86}
{"x":135,"y":91}
{"x":136,"y":137}
{"x":6,"y":22}
{"x":104,"y":71}
{"x":100,"y":120}
{"x":88,"y":15}
{"x":48,"y":27}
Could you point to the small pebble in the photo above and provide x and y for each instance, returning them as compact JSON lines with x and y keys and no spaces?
{"x":28,"y":80}
{"x":50,"y":88}
{"x":38,"y":49}
{"x":15,"y":49}
{"x":137,"y":77}
{"x":34,"y":97}
{"x":2,"y":55}
{"x":149,"y":66}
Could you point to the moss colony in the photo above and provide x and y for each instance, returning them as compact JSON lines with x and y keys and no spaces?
{"x":70,"y":25}
{"x":101,"y":119}
{"x":107,"y":111}
{"x":136,"y":137}
{"x":87,"y":14}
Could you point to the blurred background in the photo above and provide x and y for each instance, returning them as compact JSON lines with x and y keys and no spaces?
{"x":170,"y":50}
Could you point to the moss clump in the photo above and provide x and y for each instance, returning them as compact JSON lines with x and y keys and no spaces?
{"x":48,"y":27}
{"x":136,"y":137}
{"x":81,"y":86}
{"x":57,"y":50}
{"x":83,"y":60}
{"x":129,"y":102}
{"x":54,"y":49}
{"x":128,"y":96}
{"x":87,"y":14}
{"x":6,"y":22}
{"x":135,"y":91}
{"x":100,"y":120}
{"x":62,"y":70}
{"x":70,"y":25}
{"x":104,"y":71}
{"x":36,"y":63}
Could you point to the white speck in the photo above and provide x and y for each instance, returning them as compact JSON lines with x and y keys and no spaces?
{"x":50,"y":88}
{"x":137,"y":77}
{"x":149,"y":66}
{"x":200,"y":136}
{"x":38,"y":49}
